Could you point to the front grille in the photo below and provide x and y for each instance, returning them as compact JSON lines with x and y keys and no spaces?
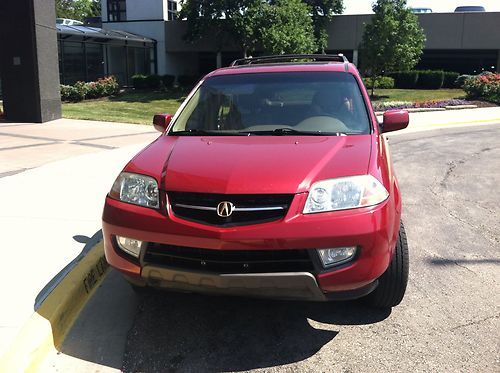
{"x":228,"y":261}
{"x":273,"y":207}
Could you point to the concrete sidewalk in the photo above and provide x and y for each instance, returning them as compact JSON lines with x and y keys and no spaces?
{"x":27,"y":145}
{"x":55,"y":178}
{"x":49,"y":212}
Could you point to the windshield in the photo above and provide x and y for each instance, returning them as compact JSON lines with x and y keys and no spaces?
{"x":297,"y":103}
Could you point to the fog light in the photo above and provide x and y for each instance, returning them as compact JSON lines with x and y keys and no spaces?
{"x":335,"y":256}
{"x":130,"y":246}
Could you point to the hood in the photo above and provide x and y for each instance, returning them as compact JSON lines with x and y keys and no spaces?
{"x":252,"y":164}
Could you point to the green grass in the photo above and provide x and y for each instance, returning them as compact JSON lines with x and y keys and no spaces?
{"x":383,"y":95}
{"x":133,"y":107}
{"x":139,"y":107}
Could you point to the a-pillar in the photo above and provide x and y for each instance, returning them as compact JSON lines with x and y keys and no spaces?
{"x":29,"y":63}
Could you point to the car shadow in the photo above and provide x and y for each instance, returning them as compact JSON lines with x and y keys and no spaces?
{"x":182,"y":332}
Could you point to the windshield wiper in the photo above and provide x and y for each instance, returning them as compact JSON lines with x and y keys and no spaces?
{"x":202,"y":132}
{"x":284,"y":131}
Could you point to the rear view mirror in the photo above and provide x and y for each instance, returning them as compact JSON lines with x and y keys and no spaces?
{"x":161,"y":121}
{"x":395,"y":120}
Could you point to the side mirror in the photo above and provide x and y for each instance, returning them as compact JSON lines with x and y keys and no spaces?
{"x":395,"y":120}
{"x":161,"y":121}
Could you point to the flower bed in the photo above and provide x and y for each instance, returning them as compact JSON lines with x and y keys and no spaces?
{"x":433,"y":104}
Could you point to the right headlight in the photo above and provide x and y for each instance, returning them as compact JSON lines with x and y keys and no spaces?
{"x":137,"y":189}
{"x":345,"y":193}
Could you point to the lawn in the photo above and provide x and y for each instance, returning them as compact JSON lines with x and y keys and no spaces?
{"x":139,"y":107}
{"x":133,"y":107}
{"x":417,"y":94}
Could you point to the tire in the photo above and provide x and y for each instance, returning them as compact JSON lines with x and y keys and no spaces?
{"x":392,"y":284}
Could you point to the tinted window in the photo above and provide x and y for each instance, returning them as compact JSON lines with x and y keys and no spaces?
{"x":326,"y":102}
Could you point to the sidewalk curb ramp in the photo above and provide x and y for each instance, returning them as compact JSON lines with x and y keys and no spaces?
{"x":46,"y":329}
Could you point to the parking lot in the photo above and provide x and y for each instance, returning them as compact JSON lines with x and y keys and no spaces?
{"x":448,"y":321}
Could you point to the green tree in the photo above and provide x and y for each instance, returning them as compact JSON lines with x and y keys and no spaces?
{"x":393,"y":41}
{"x":247,"y":22}
{"x":78,"y":9}
{"x":322,"y":12}
{"x":285,"y":26}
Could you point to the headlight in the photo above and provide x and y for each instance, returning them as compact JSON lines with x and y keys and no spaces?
{"x":137,"y":189}
{"x":345,"y":193}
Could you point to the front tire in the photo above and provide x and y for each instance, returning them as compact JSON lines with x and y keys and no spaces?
{"x":392,"y":284}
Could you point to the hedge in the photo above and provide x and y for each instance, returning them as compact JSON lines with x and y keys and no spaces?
{"x":425,"y":79}
{"x":168,"y":80}
{"x":187,"y":81}
{"x":429,"y":79}
{"x":80,"y":90}
{"x":405,"y":79}
{"x":450,"y":78}
{"x":382,"y":82}
{"x":140,"y":81}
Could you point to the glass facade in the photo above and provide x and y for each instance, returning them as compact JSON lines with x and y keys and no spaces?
{"x":86,"y":58}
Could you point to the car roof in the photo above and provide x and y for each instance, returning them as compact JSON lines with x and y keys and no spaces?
{"x":285,"y":67}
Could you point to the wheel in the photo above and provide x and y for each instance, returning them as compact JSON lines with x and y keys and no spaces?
{"x":392,"y":284}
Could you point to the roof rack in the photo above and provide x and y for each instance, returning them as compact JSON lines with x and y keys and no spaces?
{"x":289,"y":58}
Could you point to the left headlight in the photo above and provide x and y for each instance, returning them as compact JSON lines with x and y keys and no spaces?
{"x":136,"y":189}
{"x":345,"y":193}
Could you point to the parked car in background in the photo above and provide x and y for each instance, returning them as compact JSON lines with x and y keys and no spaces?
{"x":469,"y":8}
{"x":421,"y":10}
{"x":273,"y":179}
{"x":68,"y":22}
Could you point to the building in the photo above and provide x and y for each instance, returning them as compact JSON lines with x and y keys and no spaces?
{"x":88,"y":53}
{"x":462,"y":42}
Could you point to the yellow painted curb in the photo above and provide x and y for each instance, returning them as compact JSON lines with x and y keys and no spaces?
{"x":48,"y":326}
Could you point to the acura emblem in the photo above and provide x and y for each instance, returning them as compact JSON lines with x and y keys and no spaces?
{"x":225,"y":209}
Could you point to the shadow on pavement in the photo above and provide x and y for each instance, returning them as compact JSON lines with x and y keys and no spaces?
{"x":200,"y":333}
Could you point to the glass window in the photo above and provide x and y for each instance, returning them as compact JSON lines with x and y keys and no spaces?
{"x":270,"y":103}
{"x":95,"y":61}
{"x":117,"y":10}
{"x":74,"y":62}
{"x":172,"y":10}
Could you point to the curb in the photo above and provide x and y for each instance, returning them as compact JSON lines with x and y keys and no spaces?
{"x":59,"y":306}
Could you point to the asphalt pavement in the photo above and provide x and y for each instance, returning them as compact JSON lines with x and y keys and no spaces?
{"x":448,"y":321}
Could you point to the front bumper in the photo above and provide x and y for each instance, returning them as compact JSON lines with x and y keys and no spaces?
{"x":373,"y":230}
{"x":283,"y":285}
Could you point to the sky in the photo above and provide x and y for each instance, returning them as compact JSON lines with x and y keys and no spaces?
{"x":441,"y":6}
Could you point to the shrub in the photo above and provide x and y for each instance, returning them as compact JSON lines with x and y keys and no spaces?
{"x":153,"y":81}
{"x":168,"y":80}
{"x":187,"y":81}
{"x":485,"y":86}
{"x":382,"y":82}
{"x":81,"y":90}
{"x":71,"y":93}
{"x":449,"y":80}
{"x":405,"y":79}
{"x":139,"y":81}
{"x":108,"y":86}
{"x":460,"y":81}
{"x":430,"y":79}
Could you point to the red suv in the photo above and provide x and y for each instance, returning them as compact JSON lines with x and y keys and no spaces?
{"x":272,"y":179}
